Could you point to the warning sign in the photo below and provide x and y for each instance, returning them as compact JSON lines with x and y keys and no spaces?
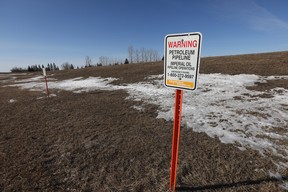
{"x":182,"y":59}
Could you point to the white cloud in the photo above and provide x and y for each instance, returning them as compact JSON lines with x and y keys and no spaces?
{"x":261,"y":19}
{"x":254,"y":15}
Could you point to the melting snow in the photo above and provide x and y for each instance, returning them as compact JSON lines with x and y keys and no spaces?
{"x":76,"y":85}
{"x":221,"y":107}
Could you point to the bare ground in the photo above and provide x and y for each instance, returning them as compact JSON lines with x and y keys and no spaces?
{"x":97,"y":141}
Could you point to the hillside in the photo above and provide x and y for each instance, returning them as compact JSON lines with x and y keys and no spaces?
{"x":261,"y":64}
{"x":98,"y":133}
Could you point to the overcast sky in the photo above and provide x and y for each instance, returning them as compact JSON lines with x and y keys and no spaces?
{"x":46,"y":31}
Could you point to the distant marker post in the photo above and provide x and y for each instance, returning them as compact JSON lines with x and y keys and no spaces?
{"x":46,"y":81}
{"x":181,"y":69}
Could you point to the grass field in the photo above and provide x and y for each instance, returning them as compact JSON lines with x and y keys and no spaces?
{"x":110,"y":128}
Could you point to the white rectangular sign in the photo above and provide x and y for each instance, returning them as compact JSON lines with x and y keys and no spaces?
{"x":182,"y":59}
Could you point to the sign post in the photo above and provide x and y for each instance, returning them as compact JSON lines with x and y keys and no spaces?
{"x":176,"y":138}
{"x":46,"y":81}
{"x":181,"y":68}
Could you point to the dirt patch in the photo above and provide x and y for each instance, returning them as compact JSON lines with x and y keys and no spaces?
{"x":271,"y":84}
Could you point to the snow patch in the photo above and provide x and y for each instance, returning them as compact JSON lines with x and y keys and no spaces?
{"x":221,"y":107}
{"x":12,"y":101}
{"x":138,"y":108}
{"x":76,"y":85}
{"x":29,"y":80}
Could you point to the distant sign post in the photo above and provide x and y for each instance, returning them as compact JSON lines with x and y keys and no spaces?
{"x":181,"y":68}
{"x":46,"y":81}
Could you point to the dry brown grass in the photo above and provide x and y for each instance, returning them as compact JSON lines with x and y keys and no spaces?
{"x":97,"y":141}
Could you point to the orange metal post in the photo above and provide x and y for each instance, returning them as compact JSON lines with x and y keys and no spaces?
{"x":47,"y":90}
{"x":176,"y":138}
